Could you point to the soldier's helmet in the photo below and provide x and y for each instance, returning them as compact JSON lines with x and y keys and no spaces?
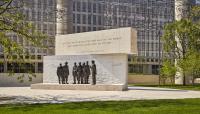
{"x":60,"y":64}
{"x":93,"y":61}
{"x":66,"y":63}
{"x":75,"y":63}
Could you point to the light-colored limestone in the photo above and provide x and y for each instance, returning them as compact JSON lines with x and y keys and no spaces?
{"x":122,"y":40}
{"x":114,"y":87}
{"x":64,"y":17}
{"x":108,"y":48}
{"x":111,"y":68}
{"x":27,"y":95}
{"x":143,"y":79}
{"x":181,"y":11}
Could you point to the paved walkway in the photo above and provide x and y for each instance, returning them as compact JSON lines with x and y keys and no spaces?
{"x":27,"y":95}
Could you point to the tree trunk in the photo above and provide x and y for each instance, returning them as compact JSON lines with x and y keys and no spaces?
{"x":184,"y":79}
{"x":193,"y":78}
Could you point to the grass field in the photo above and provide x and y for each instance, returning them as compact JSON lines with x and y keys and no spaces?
{"x":184,"y":106}
{"x":187,"y":87}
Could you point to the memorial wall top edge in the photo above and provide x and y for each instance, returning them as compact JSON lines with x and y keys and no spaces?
{"x":112,"y":41}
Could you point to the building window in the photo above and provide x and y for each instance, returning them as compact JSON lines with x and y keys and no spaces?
{"x":78,"y":6}
{"x":44,"y":28}
{"x":21,"y":68}
{"x":74,"y":29}
{"x":99,"y":20}
{"x":83,"y":7}
{"x":94,"y":20}
{"x":89,"y":7}
{"x":51,"y":29}
{"x":40,"y":67}
{"x":138,"y":69}
{"x":84,"y":19}
{"x":94,"y":28}
{"x":99,"y":8}
{"x":89,"y":19}
{"x":34,"y":15}
{"x":155,"y":69}
{"x":1,"y":67}
{"x":78,"y":29}
{"x":89,"y":28}
{"x":83,"y":29}
{"x":74,"y":6}
{"x":94,"y":8}
{"x":74,"y":18}
{"x":78,"y":18}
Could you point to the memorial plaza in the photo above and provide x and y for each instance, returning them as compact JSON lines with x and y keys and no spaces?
{"x":99,"y":57}
{"x":95,"y":15}
{"x":32,"y":96}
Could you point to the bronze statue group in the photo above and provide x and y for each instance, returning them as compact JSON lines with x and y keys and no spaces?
{"x":80,"y":72}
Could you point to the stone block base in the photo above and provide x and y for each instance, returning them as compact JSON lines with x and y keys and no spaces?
{"x":114,"y":87}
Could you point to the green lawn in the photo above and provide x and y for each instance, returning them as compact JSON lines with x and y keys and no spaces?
{"x":187,"y":87}
{"x":184,"y":106}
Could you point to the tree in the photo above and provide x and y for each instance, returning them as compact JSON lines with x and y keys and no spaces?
{"x":191,"y":65}
{"x":187,"y":31}
{"x":168,"y":71}
{"x":12,"y":22}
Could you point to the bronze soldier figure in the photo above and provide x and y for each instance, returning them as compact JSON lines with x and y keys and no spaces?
{"x":60,"y":73}
{"x":75,"y":73}
{"x":87,"y":72}
{"x":66,"y":73}
{"x":84,"y":74}
{"x":80,"y":72}
{"x":94,"y":72}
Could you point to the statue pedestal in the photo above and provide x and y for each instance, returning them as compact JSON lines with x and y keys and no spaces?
{"x":98,"y":87}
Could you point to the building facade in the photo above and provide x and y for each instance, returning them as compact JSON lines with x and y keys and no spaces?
{"x":42,"y":13}
{"x":146,"y":16}
{"x":196,"y":2}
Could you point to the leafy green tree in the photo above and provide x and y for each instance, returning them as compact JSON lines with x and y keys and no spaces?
{"x":168,"y":71}
{"x":191,"y":65}
{"x":187,"y":31}
{"x":13,"y":22}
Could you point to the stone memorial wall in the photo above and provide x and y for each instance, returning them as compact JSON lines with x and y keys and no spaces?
{"x":111,"y":69}
{"x":101,"y":59}
{"x":123,"y":40}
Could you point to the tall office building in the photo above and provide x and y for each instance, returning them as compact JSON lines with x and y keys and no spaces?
{"x":74,"y":16}
{"x":196,"y":2}
{"x":43,"y":14}
{"x":147,"y":16}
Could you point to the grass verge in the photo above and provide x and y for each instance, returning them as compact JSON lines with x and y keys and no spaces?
{"x":180,"y":106}
{"x":187,"y":87}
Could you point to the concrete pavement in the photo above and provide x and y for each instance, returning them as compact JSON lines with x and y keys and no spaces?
{"x":27,"y":95}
